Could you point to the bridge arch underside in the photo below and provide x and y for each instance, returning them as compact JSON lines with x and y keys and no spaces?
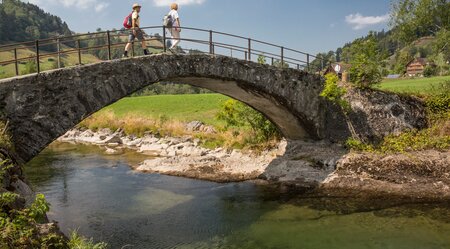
{"x":41,"y":108}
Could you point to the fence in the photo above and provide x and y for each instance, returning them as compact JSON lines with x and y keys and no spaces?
{"x":215,"y":42}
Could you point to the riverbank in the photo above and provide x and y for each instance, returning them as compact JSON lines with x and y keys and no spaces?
{"x":299,"y":164}
{"x":180,"y":156}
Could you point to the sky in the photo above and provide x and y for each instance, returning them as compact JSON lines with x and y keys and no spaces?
{"x":307,"y":25}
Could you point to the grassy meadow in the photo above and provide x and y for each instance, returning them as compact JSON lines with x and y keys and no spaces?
{"x":46,"y":63}
{"x":183,"y":108}
{"x":419,"y":86}
{"x":167,"y":115}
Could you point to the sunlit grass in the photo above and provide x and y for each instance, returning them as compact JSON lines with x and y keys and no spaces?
{"x":418,"y":86}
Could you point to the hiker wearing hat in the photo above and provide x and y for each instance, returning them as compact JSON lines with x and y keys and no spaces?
{"x":174,"y":27}
{"x":133,"y":21}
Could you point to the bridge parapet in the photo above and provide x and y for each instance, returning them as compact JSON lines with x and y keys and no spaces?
{"x":196,"y":41}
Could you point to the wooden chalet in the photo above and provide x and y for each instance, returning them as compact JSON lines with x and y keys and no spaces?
{"x":416,"y":67}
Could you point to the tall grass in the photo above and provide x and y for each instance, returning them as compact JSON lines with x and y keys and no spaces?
{"x":138,"y":125}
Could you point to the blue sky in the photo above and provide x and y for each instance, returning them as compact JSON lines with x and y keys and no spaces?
{"x":306,"y":25}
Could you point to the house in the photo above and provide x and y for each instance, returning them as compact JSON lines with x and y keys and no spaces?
{"x":416,"y":67}
{"x":338,"y":68}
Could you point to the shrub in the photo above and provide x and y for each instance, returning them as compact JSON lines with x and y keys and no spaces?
{"x":237,"y":114}
{"x":262,"y":59}
{"x":438,"y":106}
{"x":358,"y":145}
{"x":18,"y":228}
{"x":334,"y":93}
{"x":430,"y":71}
{"x":78,"y":242}
{"x":30,"y":67}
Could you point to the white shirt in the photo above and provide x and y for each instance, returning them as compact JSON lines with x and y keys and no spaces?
{"x":174,"y":16}
{"x":136,"y":18}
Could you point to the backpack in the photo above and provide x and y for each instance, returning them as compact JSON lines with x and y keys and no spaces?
{"x":127,"y":22}
{"x":167,"y":21}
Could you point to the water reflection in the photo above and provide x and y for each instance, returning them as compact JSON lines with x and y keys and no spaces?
{"x":101,"y":196}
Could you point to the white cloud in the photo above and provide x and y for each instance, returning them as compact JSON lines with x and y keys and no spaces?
{"x":166,"y":3}
{"x":79,"y":4}
{"x":101,"y":6}
{"x":359,"y":21}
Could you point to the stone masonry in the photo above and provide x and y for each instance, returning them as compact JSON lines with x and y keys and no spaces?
{"x":40,"y":108}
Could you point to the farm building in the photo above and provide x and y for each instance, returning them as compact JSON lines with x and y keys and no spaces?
{"x":416,"y":67}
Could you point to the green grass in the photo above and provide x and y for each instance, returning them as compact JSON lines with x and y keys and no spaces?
{"x":47,"y":63}
{"x":414,"y":86}
{"x":183,"y":108}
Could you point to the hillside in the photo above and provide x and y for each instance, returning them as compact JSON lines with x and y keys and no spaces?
{"x":419,"y":29}
{"x":21,"y":21}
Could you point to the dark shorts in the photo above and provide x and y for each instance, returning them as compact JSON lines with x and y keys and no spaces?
{"x":139,"y":35}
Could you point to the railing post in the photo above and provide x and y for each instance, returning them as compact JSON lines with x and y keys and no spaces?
{"x":231,"y":52}
{"x":246,"y":55}
{"x":16,"y":62}
{"x":211,"y":48}
{"x":272,"y":61}
{"x":164,"y":39}
{"x":109,"y":44}
{"x":58,"y":50}
{"x":282,"y":57}
{"x":298,"y":66}
{"x":307,"y":61}
{"x":79,"y":51}
{"x":38,"y":65}
{"x":249,"y":49}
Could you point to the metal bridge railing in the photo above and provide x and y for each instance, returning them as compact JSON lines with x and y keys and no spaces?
{"x":236,"y":46}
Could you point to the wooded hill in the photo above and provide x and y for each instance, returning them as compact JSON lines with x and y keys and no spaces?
{"x":21,"y":21}
{"x":419,"y":29}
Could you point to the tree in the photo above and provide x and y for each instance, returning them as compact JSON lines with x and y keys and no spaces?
{"x":441,"y":64}
{"x":237,"y":114}
{"x":365,"y":64}
{"x":411,"y":19}
{"x":442,"y":43}
{"x":402,"y":59}
{"x":338,"y":54}
{"x":20,"y":21}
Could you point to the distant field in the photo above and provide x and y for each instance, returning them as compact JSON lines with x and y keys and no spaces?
{"x":418,"y":85}
{"x":185,"y":108}
{"x":47,"y":63}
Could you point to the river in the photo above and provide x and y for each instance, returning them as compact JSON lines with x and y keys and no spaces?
{"x":103,"y":198}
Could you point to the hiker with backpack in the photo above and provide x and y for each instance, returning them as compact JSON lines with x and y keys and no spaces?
{"x":132,"y":22}
{"x":172,"y":21}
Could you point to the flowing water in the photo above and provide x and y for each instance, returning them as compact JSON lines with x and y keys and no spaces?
{"x":103,"y":198}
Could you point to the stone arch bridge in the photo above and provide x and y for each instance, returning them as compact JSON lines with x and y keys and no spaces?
{"x":39,"y":108}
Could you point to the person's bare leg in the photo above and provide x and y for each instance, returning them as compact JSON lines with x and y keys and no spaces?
{"x":127,"y":48}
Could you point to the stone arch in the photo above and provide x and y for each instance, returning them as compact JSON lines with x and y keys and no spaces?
{"x":40,"y":108}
